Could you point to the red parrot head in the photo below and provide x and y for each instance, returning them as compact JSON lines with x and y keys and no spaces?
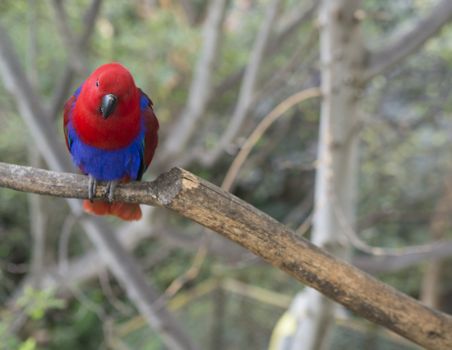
{"x":107,"y":112}
{"x":109,"y":91}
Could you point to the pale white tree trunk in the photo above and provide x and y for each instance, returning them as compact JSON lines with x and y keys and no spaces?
{"x":341,"y":53}
{"x":346,"y":66}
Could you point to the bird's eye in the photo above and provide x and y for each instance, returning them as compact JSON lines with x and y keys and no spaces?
{"x":97,"y":83}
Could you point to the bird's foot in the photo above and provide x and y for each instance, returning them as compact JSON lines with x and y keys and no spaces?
{"x":92,"y":184}
{"x":111,"y":189}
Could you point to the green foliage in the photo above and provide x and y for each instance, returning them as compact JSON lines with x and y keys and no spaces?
{"x":36,"y":302}
{"x":29,"y":344}
{"x":9,"y":341}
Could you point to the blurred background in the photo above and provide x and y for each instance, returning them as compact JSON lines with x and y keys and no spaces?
{"x":236,"y":86}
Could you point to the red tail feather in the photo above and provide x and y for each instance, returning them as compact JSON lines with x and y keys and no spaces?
{"x":124,"y":211}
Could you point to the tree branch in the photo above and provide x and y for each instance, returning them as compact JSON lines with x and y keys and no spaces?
{"x":37,"y":210}
{"x":192,"y":13}
{"x":200,"y":89}
{"x":67,"y":36}
{"x":260,"y":129}
{"x":390,"y":263}
{"x":284,"y":30}
{"x":248,"y":85}
{"x":406,"y":44}
{"x":64,"y":86}
{"x":205,"y":203}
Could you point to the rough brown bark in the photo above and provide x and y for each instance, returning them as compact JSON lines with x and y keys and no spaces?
{"x":205,"y":203}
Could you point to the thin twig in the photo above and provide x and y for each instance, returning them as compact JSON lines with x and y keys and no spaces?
{"x":359,"y":244}
{"x":105,"y":285}
{"x":63,"y":244}
{"x":261,"y":128}
{"x":257,"y":293}
{"x":305,"y":225}
{"x":188,"y":275}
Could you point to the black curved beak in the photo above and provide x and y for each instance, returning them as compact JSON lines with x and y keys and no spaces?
{"x":108,"y":105}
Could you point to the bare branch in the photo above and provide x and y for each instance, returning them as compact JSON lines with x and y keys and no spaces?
{"x":203,"y":202}
{"x":89,"y":20}
{"x":359,"y":244}
{"x":431,"y":287}
{"x":90,"y":264}
{"x":38,"y":215}
{"x":191,"y":12}
{"x":64,"y":86}
{"x":67,"y":36}
{"x":188,"y":275}
{"x":29,"y":105}
{"x":257,"y":133}
{"x":408,"y":43}
{"x":290,"y":23}
{"x":257,"y":293}
{"x":140,"y":292}
{"x":390,"y":263}
{"x":200,"y":89}
{"x":38,"y":225}
{"x":247,"y":88}
{"x":32,"y":51}
{"x":283,"y":32}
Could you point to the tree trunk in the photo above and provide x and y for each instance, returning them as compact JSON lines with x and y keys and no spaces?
{"x":341,"y":53}
{"x":441,"y":222}
{"x":218,"y":320}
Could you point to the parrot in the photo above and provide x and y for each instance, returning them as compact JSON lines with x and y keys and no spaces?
{"x":111,"y":132}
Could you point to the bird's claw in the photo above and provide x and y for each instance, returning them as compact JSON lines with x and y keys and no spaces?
{"x":110,"y":190}
{"x":92,"y":184}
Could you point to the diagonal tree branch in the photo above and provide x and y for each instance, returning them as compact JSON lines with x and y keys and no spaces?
{"x":406,"y":44}
{"x":122,"y":264}
{"x":200,"y":89}
{"x":80,"y":269}
{"x":38,"y":215}
{"x":191,"y":11}
{"x":69,"y":41}
{"x":208,"y":205}
{"x":64,"y":85}
{"x":390,"y":263}
{"x":298,"y":17}
{"x":249,"y":82}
